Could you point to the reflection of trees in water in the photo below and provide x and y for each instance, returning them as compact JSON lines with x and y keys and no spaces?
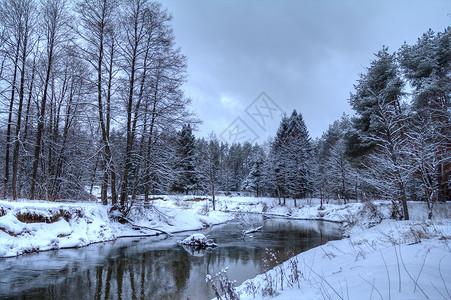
{"x":305,"y":235}
{"x":158,"y":274}
{"x":224,"y":256}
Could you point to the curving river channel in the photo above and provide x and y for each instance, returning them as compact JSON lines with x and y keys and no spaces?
{"x":159,"y":268}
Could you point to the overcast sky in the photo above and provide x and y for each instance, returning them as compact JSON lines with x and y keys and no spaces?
{"x":304,"y":55}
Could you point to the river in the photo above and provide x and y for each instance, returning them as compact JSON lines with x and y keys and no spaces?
{"x":158,"y":267}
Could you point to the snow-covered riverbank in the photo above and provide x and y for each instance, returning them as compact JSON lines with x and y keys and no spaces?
{"x":33,"y":226}
{"x":380,"y":258}
{"x":392,"y":260}
{"x":389,"y":260}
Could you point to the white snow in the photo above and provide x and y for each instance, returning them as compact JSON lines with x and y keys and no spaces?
{"x":391,"y":260}
{"x":50,"y":226}
{"x":66,"y":225}
{"x":252,"y":230}
{"x":379,"y":259}
{"x":197,"y":240}
{"x":387,"y":261}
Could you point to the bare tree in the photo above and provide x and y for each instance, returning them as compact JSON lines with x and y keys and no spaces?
{"x":29,"y":18}
{"x":154,"y":72}
{"x":11,"y":18}
{"x":211,"y":167}
{"x":99,"y":49}
{"x":135,"y":30}
{"x":54,"y":17}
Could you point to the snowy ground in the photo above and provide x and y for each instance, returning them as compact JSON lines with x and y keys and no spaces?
{"x":33,"y":226}
{"x":390,"y":260}
{"x":379,"y":259}
{"x":393,"y":260}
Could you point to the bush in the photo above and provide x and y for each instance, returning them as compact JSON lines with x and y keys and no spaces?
{"x":223,"y":287}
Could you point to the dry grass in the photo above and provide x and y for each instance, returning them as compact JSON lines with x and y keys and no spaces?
{"x":197,"y":199}
{"x":36,"y":217}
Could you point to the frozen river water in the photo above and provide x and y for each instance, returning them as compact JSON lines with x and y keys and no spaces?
{"x":158,"y":268}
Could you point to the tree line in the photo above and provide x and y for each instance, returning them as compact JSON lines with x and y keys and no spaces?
{"x":89,"y":91}
{"x":91,"y":94}
{"x":397,"y":146}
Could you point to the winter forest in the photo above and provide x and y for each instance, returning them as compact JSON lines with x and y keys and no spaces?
{"x":91,"y":95}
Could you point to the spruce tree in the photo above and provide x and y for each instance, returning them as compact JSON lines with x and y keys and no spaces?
{"x":254,"y":181}
{"x":185,"y":176}
{"x":292,"y":155}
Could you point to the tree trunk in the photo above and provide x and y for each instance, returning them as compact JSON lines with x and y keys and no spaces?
{"x":19,"y":118}
{"x":129,"y":142}
{"x":61,"y":156}
{"x":213,"y":196}
{"x":108,"y":121}
{"x":27,"y":115}
{"x":40,"y":128}
{"x":150,"y":140}
{"x":8,"y":130}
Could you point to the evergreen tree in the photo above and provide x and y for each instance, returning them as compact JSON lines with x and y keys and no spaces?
{"x":186,"y":179}
{"x":254,"y":181}
{"x":380,"y":124}
{"x":291,"y":151}
{"x":279,"y":160}
{"x":427,"y":66}
{"x":335,"y":169}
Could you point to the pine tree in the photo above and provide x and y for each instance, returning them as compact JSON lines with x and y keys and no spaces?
{"x":279,"y":159}
{"x":300,"y":177}
{"x":380,"y":124}
{"x":427,"y":66}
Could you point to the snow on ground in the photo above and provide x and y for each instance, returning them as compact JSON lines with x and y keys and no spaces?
{"x":33,"y":226}
{"x":390,"y":260}
{"x":380,"y":259}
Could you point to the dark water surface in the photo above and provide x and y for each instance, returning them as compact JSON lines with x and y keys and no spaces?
{"x":158,"y":268}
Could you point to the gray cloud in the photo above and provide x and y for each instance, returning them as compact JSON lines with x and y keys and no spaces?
{"x":305,"y":55}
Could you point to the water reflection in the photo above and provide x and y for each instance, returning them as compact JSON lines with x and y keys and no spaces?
{"x":152,"y":268}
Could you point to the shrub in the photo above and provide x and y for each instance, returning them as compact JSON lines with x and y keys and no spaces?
{"x":223,"y":287}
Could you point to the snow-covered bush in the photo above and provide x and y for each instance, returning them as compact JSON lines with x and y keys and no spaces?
{"x":369,"y":215}
{"x":269,"y":285}
{"x":205,"y":210}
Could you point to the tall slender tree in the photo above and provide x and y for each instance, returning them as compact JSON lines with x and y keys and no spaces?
{"x":28,"y":23}
{"x":54,"y":26}
{"x":13,"y":16}
{"x":292,"y":155}
{"x":98,"y":32}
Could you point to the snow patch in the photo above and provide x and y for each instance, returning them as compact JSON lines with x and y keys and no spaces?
{"x":198,"y":240}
